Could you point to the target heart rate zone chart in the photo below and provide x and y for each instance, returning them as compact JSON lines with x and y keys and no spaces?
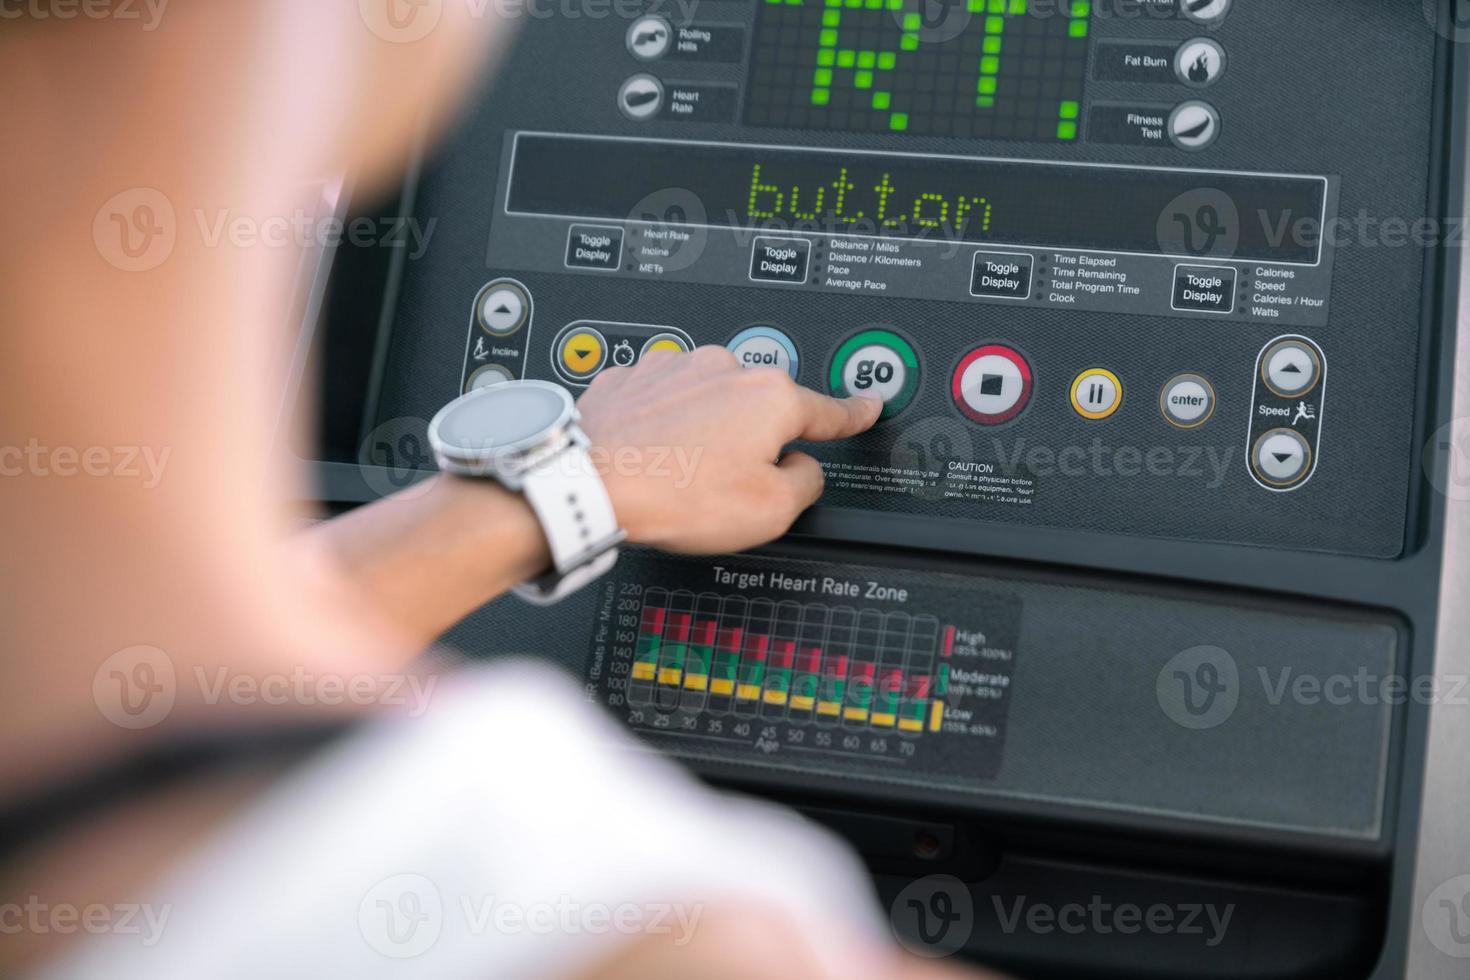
{"x":786,"y":661}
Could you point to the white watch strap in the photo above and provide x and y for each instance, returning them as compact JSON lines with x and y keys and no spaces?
{"x":577,"y":517}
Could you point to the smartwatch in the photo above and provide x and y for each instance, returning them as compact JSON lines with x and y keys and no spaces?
{"x":525,"y":436}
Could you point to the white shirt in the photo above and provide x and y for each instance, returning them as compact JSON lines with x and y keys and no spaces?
{"x":512,"y":831}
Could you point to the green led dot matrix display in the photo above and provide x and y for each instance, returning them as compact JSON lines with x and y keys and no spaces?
{"x":974,"y":69}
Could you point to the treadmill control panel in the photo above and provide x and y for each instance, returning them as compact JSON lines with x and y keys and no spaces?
{"x":1096,"y":260}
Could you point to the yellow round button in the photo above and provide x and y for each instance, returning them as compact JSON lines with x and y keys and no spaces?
{"x":583,"y":353}
{"x":665,"y":341}
{"x":1097,"y":393}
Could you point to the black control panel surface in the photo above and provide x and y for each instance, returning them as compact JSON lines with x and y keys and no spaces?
{"x":1132,"y":271}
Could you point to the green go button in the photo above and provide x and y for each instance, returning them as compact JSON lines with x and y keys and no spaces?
{"x":876,"y":364}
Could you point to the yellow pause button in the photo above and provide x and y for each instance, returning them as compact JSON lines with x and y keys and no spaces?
{"x":582,"y":353}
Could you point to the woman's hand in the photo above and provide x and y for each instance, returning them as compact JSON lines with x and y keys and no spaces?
{"x":690,"y":448}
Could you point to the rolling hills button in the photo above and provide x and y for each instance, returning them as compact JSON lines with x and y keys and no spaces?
{"x":876,"y":364}
{"x":992,"y":385}
{"x":1282,"y":457}
{"x":1187,"y":401}
{"x":503,"y":309}
{"x":1097,"y":394}
{"x":583,"y":352}
{"x":1291,"y":368}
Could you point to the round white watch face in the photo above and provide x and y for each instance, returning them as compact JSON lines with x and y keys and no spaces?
{"x":500,"y":419}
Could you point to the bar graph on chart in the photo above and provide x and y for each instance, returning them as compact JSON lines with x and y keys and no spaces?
{"x":797,"y":662}
{"x":805,"y":666}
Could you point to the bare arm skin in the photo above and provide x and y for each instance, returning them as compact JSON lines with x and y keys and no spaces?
{"x":688,"y":445}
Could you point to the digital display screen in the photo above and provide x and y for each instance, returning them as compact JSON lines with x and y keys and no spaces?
{"x":1026,"y":203}
{"x":974,"y":69}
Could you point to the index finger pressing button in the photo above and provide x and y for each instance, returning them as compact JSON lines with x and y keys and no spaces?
{"x":876,"y":363}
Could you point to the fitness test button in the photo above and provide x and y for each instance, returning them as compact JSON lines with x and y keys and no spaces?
{"x":876,"y":364}
{"x":992,"y":384}
{"x":760,"y":347}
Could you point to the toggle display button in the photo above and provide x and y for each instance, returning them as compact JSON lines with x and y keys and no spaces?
{"x":876,"y":364}
{"x":760,"y":347}
{"x":1001,"y":275}
{"x":992,"y":385}
{"x":780,"y":259}
{"x":1204,"y":288}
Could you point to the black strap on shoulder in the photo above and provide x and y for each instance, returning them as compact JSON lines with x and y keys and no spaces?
{"x":160,"y":767}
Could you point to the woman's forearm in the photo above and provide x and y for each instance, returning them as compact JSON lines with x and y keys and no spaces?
{"x":426,"y":558}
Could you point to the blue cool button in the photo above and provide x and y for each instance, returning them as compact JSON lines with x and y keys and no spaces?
{"x":765,"y":347}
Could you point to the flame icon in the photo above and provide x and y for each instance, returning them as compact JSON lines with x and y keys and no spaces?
{"x":1200,"y":70}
